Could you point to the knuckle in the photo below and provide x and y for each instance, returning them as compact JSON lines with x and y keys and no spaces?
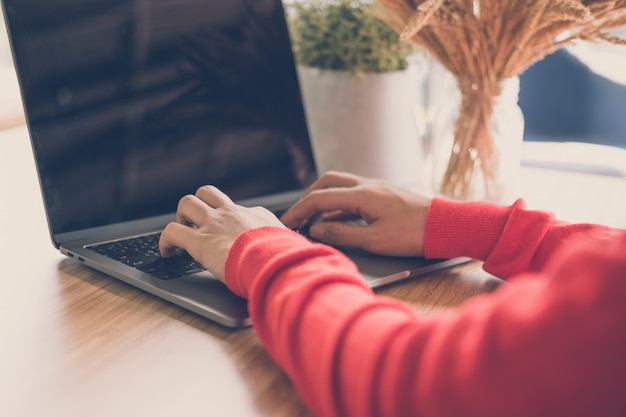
{"x":204,"y":189}
{"x":165,"y":233}
{"x":260,"y":211}
{"x":185,"y":200}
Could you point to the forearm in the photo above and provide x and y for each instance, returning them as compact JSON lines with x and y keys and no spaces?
{"x":303,"y":301}
{"x":510,"y":239}
{"x":539,"y":347}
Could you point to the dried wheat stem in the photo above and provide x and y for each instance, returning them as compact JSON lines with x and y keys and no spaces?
{"x":483,"y":42}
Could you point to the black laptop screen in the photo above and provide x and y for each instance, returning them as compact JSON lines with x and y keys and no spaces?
{"x":134,"y":103}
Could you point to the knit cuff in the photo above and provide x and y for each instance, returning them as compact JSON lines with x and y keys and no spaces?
{"x":464,"y":228}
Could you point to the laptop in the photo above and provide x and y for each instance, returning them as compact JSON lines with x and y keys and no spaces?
{"x":132,"y":104}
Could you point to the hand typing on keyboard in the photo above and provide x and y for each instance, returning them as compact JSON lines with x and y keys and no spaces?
{"x":207,"y":225}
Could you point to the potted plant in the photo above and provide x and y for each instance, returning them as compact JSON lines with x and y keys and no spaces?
{"x":358,"y":90}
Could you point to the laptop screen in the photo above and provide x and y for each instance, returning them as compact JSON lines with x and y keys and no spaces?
{"x":134,"y":103}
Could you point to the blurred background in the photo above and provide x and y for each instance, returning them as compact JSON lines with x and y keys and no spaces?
{"x":577,"y":94}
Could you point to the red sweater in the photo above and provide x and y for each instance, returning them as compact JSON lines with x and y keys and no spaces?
{"x":550,"y":343}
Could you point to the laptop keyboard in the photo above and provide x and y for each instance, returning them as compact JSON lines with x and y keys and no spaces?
{"x":142,"y":252}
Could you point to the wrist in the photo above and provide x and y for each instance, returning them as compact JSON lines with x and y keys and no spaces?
{"x":463,"y":228}
{"x":251,"y":250}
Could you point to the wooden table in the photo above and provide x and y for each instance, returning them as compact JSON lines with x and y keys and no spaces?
{"x":77,"y":343}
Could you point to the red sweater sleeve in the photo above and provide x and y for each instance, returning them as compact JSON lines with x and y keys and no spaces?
{"x":510,"y":239}
{"x":550,"y":344}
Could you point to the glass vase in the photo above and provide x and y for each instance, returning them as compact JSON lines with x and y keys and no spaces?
{"x":475,"y":140}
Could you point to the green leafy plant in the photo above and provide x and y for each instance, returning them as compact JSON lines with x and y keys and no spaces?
{"x":345,"y":35}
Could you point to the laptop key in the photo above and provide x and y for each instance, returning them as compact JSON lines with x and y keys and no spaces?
{"x":137,"y":260}
{"x":143,"y":254}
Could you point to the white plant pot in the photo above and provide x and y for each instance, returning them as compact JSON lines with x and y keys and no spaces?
{"x":364,"y":125}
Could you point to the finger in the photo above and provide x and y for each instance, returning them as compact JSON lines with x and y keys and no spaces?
{"x":338,"y":216}
{"x":343,"y":234}
{"x":174,"y":235}
{"x":312,"y":205}
{"x":333,"y":179}
{"x":212,"y":196}
{"x":191,"y":210}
